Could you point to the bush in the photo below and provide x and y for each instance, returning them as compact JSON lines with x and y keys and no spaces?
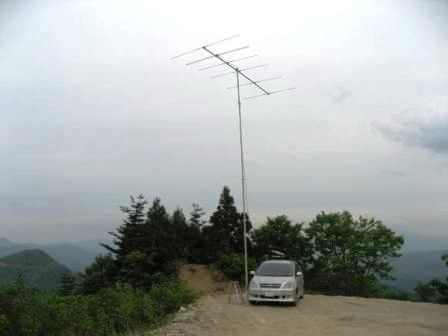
{"x":111,"y":311}
{"x":232,"y":266}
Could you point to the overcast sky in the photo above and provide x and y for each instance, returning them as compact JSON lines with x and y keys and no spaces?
{"x":92,"y":109}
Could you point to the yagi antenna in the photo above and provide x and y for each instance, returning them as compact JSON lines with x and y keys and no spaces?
{"x":245,"y":69}
{"x":207,"y":45}
{"x":259,"y":81}
{"x":240,"y":74}
{"x":220,"y":54}
{"x":232,"y":61}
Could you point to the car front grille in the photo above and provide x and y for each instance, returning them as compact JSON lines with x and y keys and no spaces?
{"x":267,"y":285}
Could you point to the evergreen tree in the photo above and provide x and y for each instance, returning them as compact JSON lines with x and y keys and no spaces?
{"x":158,"y":253}
{"x":129,"y":234}
{"x":147,"y":246}
{"x":67,"y":284}
{"x":225,"y":234}
{"x":128,"y":243}
{"x":196,"y":216}
{"x":196,"y":240}
{"x":102,"y":273}
{"x":181,"y":233}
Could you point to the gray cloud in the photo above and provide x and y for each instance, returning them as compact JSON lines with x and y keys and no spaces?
{"x":430,"y":135}
{"x":340,"y":95}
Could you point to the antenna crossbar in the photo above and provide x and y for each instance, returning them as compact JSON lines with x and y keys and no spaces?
{"x":207,"y":45}
{"x":222,"y":53}
{"x":239,"y":70}
{"x":271,"y":93}
{"x":232,"y":61}
{"x":258,"y":81}
{"x":218,"y":56}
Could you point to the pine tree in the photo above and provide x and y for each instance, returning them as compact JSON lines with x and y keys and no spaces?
{"x":225,"y":234}
{"x":181,"y":233}
{"x":67,"y":284}
{"x":159,"y":251}
{"x":128,"y":235}
{"x":128,"y":239}
{"x":196,"y":216}
{"x":102,"y":273}
{"x":195,"y":237}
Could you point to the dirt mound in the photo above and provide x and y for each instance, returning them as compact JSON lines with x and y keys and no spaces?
{"x":202,"y":278}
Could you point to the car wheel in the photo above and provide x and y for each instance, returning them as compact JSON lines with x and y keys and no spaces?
{"x":252,"y":302}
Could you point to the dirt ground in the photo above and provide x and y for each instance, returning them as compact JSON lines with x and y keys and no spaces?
{"x":314,"y":315}
{"x":201,"y":278}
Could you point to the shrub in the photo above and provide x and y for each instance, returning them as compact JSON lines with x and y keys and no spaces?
{"x":110,"y":311}
{"x":232,"y":266}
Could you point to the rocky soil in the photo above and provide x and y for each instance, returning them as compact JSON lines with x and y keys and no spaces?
{"x":314,"y":315}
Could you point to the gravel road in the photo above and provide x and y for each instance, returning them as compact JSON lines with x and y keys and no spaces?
{"x":314,"y":315}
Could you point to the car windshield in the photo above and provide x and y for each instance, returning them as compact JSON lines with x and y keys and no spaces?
{"x":275,"y":269}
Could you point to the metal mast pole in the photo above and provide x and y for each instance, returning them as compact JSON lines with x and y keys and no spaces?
{"x":249,"y":81}
{"x":243,"y":183}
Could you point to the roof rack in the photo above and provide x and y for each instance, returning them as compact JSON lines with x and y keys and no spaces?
{"x":274,"y":254}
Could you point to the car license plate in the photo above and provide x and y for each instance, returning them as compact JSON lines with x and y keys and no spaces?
{"x":269,"y":294}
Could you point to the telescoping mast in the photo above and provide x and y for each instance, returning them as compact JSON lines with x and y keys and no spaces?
{"x":240,"y":73}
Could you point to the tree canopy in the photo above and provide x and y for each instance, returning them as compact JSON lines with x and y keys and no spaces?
{"x":349,"y":256}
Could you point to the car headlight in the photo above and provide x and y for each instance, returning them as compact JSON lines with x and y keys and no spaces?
{"x":289,"y":284}
{"x":253,"y":284}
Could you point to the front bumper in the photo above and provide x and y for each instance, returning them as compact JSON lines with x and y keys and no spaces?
{"x":272,"y":294}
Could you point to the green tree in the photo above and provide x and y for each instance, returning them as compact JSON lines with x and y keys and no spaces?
{"x":127,"y":240}
{"x":350,"y":256}
{"x":129,"y":235}
{"x":281,"y":235}
{"x":196,"y":217}
{"x":100,"y":274}
{"x":67,"y":284}
{"x":147,"y":246}
{"x":159,"y":250}
{"x":225,"y":233}
{"x":196,"y":241}
{"x":425,"y":292}
{"x":181,"y":233}
{"x":435,"y":290}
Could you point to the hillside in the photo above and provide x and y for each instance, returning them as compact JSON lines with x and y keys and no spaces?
{"x":413,"y":267}
{"x":414,"y":242}
{"x":75,"y":257}
{"x":37,"y":268}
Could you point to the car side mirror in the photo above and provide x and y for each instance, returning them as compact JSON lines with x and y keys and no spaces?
{"x":252,"y":272}
{"x":299,"y":273}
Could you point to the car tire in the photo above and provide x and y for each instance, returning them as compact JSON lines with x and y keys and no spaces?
{"x":252,"y":302}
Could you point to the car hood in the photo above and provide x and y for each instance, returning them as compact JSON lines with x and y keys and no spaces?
{"x":271,"y":279}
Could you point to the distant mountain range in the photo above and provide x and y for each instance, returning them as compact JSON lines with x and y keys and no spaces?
{"x":414,"y":242}
{"x":37,"y":269}
{"x":413,"y":267}
{"x":75,"y":256}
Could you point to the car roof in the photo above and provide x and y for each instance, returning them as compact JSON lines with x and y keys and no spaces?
{"x":278,"y":261}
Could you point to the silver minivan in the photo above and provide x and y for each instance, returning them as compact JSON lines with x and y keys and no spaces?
{"x":276,"y":281}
